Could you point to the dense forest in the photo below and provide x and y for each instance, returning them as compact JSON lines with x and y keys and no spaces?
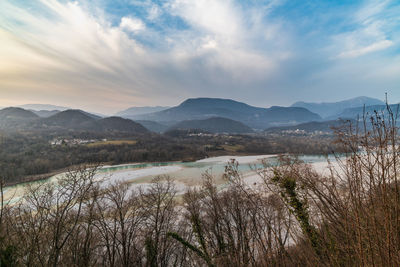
{"x":295,"y":216}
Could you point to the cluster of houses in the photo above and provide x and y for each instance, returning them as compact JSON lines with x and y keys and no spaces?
{"x":303,"y":132}
{"x":203,"y":134}
{"x":75,"y":141}
{"x":226,"y":135}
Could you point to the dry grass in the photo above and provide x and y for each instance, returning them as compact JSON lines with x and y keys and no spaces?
{"x":113,"y":142}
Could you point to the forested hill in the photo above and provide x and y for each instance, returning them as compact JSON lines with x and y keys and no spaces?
{"x":255,"y":117}
{"x":17,"y":119}
{"x":214,"y":125}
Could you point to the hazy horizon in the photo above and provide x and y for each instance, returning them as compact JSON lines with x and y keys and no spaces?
{"x":105,"y":56}
{"x":176,"y":104}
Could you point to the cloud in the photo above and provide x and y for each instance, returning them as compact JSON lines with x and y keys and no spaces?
{"x":69,"y":53}
{"x":380,"y":45}
{"x":265,"y":52}
{"x":217,"y":17}
{"x":132,"y":24}
{"x":371,"y":31}
{"x":84,"y":54}
{"x":154,"y":12}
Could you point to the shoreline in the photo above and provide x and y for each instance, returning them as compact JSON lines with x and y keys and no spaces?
{"x":43,"y":177}
{"x":215,"y":158}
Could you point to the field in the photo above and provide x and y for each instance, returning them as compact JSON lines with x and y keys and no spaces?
{"x":112,"y":142}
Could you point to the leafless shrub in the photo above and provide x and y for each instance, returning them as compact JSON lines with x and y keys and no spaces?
{"x":49,"y":215}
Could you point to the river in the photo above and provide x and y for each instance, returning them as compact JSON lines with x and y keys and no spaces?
{"x":184,"y":174}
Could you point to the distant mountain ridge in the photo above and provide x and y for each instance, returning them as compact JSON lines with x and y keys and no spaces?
{"x":139,"y":111}
{"x":38,"y":107}
{"x":255,"y":117}
{"x":213,"y":125}
{"x":329,"y":109}
{"x":14,"y":119}
{"x":199,"y":113}
{"x":353,"y":113}
{"x":46,"y":110}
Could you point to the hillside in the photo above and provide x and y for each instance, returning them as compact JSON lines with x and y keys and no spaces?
{"x":153,"y":126}
{"x":255,"y":117}
{"x":17,"y":113}
{"x":214,"y":125}
{"x":308,"y":127}
{"x":114,"y":124}
{"x":13,"y":117}
{"x":71,"y":118}
{"x":329,"y":109}
{"x":48,"y":121}
{"x":45,"y":113}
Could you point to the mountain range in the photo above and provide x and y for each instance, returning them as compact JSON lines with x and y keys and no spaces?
{"x":353,"y":113}
{"x":20,"y":119}
{"x":203,"y":114}
{"x":133,"y":111}
{"x":46,"y":110}
{"x":38,"y":107}
{"x":329,"y":110}
{"x":255,"y":117}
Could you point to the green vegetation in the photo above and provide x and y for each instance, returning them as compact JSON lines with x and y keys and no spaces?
{"x":298,"y":207}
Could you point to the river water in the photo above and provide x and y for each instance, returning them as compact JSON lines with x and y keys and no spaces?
{"x":183,"y":173}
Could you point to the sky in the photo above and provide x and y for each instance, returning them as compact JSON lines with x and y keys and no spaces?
{"x":108,"y":55}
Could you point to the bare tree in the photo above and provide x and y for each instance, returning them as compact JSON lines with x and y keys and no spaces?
{"x":49,"y":214}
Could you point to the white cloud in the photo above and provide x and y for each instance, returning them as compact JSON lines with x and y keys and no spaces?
{"x":74,"y":58}
{"x":154,"y":12}
{"x":84,"y":59}
{"x":226,"y":38}
{"x":370,"y":10}
{"x":223,"y":49}
{"x":132,"y":24}
{"x":380,"y":45}
{"x":370,"y":33}
{"x":218,"y":17}
{"x":209,"y":43}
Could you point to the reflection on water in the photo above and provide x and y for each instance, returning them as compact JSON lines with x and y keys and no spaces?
{"x":136,"y":166}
